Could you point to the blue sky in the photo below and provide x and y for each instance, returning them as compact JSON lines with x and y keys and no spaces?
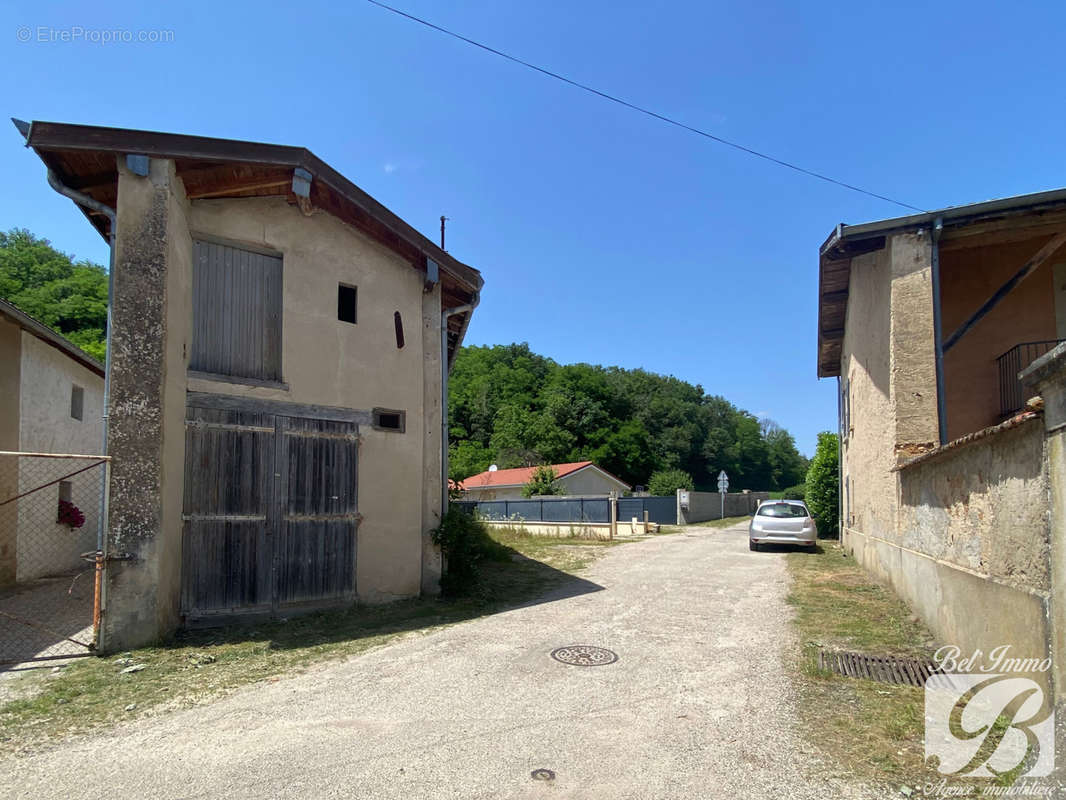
{"x":603,"y":236}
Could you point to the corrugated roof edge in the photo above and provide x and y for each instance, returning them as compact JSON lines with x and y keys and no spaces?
{"x":57,"y":340}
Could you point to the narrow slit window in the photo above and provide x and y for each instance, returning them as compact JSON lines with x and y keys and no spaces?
{"x":398,"y":322}
{"x":77,"y":402}
{"x":346,"y":297}
{"x":65,"y":491}
{"x":389,"y":420}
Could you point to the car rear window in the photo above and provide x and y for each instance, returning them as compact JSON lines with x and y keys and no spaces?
{"x":782,"y":510}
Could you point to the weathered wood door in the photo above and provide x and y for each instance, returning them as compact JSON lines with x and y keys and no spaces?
{"x":271,"y":514}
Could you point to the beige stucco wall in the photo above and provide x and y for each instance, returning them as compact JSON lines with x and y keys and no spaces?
{"x":867,"y":450}
{"x":589,"y":481}
{"x":333,"y":363}
{"x":10,"y":365}
{"x":45,"y":422}
{"x":45,"y":426}
{"x":963,"y":536}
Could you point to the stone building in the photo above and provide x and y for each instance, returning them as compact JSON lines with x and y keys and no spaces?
{"x":929,"y":323}
{"x":278,"y":353}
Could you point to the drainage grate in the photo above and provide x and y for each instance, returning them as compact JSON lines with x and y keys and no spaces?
{"x":584,"y":655}
{"x":885,"y":669}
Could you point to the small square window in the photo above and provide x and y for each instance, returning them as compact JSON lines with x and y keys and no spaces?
{"x":77,"y":402}
{"x":346,"y":297}
{"x":389,"y":420}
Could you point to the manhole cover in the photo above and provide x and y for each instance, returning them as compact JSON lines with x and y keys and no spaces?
{"x":584,"y":655}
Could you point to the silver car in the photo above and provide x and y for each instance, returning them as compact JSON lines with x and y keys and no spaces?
{"x":782,"y":522}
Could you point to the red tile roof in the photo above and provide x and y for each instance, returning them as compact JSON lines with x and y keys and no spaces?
{"x":516,"y":477}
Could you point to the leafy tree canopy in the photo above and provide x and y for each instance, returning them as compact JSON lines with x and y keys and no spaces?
{"x":823,"y":484}
{"x":69,"y":297}
{"x":542,"y":482}
{"x":668,"y":481}
{"x":511,"y":407}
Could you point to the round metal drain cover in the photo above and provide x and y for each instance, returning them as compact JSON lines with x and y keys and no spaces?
{"x":584,"y":655}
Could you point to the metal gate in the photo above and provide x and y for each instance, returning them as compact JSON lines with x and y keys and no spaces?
{"x":51,"y":569}
{"x":270,"y":515}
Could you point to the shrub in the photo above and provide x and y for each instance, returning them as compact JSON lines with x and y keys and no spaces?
{"x":668,"y":481}
{"x":797,"y":492}
{"x":542,"y":482}
{"x":464,"y":542}
{"x":823,"y":484}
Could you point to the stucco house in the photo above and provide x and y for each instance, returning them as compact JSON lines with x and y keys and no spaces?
{"x":51,"y":401}
{"x":580,"y":478}
{"x":940,"y":329}
{"x":278,"y":353}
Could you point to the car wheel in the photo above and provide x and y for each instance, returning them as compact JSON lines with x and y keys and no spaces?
{"x":752,"y":545}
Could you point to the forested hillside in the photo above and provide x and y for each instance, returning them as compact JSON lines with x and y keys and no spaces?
{"x":66,"y":296}
{"x":512,"y":407}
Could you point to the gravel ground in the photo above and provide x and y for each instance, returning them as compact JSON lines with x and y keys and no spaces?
{"x":697,"y":705}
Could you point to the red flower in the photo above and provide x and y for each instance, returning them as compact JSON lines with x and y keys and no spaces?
{"x":70,"y":514}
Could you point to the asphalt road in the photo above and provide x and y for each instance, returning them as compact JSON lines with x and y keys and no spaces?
{"x":698,"y":704}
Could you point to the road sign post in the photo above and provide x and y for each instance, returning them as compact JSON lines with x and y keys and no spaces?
{"x":723,"y":485}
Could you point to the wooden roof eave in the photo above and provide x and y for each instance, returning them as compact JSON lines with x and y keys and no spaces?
{"x":46,"y":138}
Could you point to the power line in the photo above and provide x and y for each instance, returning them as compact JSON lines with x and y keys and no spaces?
{"x":643,"y":110}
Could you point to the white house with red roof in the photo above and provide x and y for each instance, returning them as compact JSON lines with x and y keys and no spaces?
{"x":578,"y":478}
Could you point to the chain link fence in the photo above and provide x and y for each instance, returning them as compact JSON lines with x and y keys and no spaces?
{"x":50,"y":508}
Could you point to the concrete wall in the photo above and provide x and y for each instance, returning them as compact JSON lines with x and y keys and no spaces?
{"x":46,"y":547}
{"x":10,"y":366}
{"x":151,"y":316}
{"x":1048,"y":377}
{"x":968,"y":278}
{"x":579,"y":530}
{"x":703,"y":506}
{"x":974,"y":527}
{"x":333,"y":363}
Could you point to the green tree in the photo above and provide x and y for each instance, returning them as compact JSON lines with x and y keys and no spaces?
{"x":542,"y":482}
{"x":787,"y":466}
{"x":823,"y":484}
{"x":69,"y":297}
{"x":668,"y":481}
{"x":515,"y":408}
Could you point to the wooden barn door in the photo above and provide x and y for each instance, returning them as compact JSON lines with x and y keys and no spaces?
{"x":228,"y":542}
{"x":318,"y":517}
{"x":270,"y":516}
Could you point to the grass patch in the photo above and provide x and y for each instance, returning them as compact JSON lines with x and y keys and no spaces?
{"x":871,"y":729}
{"x":200,"y":666}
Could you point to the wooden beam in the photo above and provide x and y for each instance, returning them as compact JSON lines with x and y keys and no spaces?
{"x":1030,"y":266}
{"x":1005,"y":230}
{"x":835,"y":297}
{"x":248,"y":187}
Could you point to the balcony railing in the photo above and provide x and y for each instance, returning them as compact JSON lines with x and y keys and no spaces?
{"x":1012,"y":394}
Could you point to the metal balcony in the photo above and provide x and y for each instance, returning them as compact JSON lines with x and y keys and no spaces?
{"x":1012,"y":394}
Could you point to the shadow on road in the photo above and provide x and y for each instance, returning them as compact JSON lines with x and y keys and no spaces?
{"x":509,"y":582}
